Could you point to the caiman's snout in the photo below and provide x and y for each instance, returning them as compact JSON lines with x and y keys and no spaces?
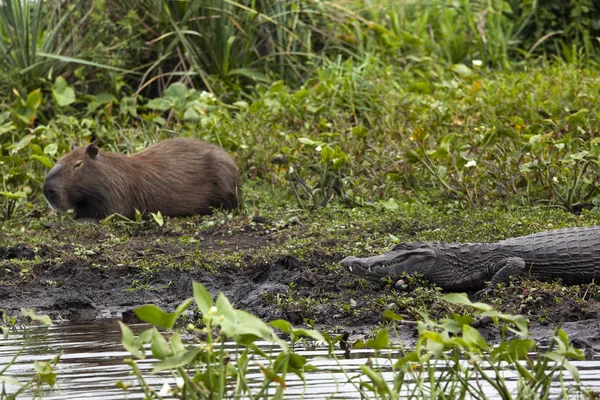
{"x":348,"y":261}
{"x":393,"y":262}
{"x":366,"y":265}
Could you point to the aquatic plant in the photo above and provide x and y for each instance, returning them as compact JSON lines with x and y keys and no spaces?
{"x":44,"y":376}
{"x":451,"y":358}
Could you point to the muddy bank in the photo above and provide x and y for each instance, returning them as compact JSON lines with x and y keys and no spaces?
{"x":274,"y":270}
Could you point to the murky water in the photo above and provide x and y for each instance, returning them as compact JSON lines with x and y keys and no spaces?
{"x":91,"y":364}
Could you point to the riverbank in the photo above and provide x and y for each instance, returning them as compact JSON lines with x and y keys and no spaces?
{"x":279,"y":264}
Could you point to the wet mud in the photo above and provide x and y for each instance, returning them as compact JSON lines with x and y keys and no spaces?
{"x":97,"y":278}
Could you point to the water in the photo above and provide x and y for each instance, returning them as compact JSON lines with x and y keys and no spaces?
{"x":91,"y":363}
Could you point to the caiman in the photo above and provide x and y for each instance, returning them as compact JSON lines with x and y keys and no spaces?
{"x":571,"y":254}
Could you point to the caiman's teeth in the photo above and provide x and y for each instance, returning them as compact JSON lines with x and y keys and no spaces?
{"x":350,"y":268}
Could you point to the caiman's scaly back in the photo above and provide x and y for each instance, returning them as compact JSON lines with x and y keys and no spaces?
{"x":571,"y":254}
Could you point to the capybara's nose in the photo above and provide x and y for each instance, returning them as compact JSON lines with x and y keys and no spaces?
{"x":49,"y":191}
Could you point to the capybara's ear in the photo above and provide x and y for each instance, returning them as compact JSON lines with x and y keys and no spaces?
{"x":91,"y":150}
{"x":73,"y":146}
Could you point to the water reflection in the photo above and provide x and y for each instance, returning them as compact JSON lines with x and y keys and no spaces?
{"x":92,"y":362}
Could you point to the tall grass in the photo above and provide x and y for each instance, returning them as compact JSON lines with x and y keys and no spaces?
{"x":499,"y":33}
{"x":29,"y":30}
{"x":227,"y":45}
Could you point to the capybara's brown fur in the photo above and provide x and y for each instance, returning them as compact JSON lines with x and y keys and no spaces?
{"x":177,"y":177}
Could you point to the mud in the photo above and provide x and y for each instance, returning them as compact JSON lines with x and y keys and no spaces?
{"x":92,"y":273}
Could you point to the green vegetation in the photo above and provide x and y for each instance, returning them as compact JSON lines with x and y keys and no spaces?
{"x":356,"y":124}
{"x":355,"y":102}
{"x":458,"y":353}
{"x":44,"y":377}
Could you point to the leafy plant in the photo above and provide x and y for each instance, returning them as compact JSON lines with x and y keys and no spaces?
{"x":435,"y":368}
{"x":44,"y":376}
{"x":205,"y":371}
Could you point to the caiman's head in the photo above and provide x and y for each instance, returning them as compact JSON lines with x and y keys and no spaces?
{"x":409,"y":258}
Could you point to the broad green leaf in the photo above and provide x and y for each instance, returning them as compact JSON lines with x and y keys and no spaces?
{"x":44,"y":160}
{"x":310,"y":142}
{"x":462,"y":70}
{"x":24,"y":142}
{"x":311,"y":333}
{"x":389,"y":204}
{"x":62,"y":93}
{"x":159,"y":346}
{"x":518,"y":320}
{"x":203,"y":299}
{"x":158,"y":218}
{"x":176,"y":344}
{"x":105,"y":97}
{"x":34,"y":99}
{"x":14,"y":195}
{"x":381,"y":340}
{"x":51,"y":149}
{"x":473,"y":338}
{"x":241,"y":104}
{"x":158,"y":317}
{"x":518,"y":349}
{"x":377,"y":379}
{"x":159,"y":104}
{"x":45,"y":372}
{"x":462,"y":298}
{"x":176,"y":361}
{"x":282,"y":325}
{"x":176,"y":91}
{"x":572,"y":370}
{"x":392,"y":315}
{"x":4,"y":116}
{"x":155,"y":315}
{"x":287,"y":327}
{"x":578,"y":117}
{"x":129,"y":343}
{"x":191,"y":114}
{"x":10,"y":380}
{"x":327,"y":154}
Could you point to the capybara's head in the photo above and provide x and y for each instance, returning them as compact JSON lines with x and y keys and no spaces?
{"x":68,"y":184}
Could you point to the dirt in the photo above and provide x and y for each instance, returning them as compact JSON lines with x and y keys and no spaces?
{"x":94,"y":272}
{"x":89,"y":279}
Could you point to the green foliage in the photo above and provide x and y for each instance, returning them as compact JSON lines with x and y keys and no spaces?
{"x":364,"y":103}
{"x":436,"y":368}
{"x":44,"y":377}
{"x":228,"y":46}
{"x":496,"y":33}
{"x":205,"y":371}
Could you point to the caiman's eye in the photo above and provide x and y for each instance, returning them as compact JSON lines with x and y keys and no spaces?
{"x":77,"y":164}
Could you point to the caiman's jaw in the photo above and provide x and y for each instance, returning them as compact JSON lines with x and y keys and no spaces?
{"x":393,"y":262}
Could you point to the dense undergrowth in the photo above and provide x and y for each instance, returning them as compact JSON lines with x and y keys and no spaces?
{"x":353,"y":102}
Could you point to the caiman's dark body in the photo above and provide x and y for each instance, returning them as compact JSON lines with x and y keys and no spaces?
{"x":571,"y":254}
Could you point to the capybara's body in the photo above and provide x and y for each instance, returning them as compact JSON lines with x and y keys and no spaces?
{"x":178,"y":177}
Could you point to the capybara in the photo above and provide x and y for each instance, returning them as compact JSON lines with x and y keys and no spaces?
{"x":177,"y":177}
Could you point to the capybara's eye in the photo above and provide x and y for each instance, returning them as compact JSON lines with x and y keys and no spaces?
{"x":77,"y":164}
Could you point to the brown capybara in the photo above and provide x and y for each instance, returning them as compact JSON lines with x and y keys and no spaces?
{"x":177,"y":177}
